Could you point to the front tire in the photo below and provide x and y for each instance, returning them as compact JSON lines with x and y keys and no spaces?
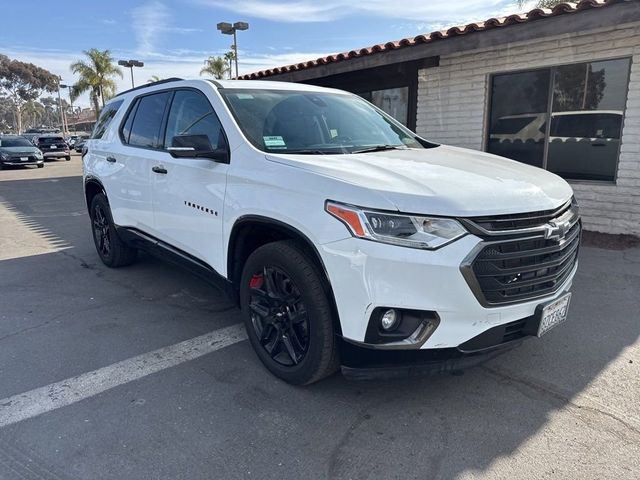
{"x":41,"y":165}
{"x":67,"y":158}
{"x":287,"y":313}
{"x":112,"y":250}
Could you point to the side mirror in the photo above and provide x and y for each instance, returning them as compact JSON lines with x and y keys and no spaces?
{"x":198,"y":146}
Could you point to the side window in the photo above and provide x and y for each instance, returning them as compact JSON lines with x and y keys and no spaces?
{"x":147,"y":122}
{"x":191,"y":114}
{"x":107,"y":114}
{"x":126,"y":128}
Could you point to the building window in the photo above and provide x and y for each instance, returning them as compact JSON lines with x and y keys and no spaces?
{"x":394,"y":101}
{"x":567,"y":119}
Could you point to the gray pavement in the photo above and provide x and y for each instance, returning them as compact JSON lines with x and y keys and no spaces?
{"x":565,"y":406}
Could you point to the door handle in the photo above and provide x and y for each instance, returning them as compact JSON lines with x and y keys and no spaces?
{"x":159,"y":169}
{"x":598,"y":144}
{"x":111,"y":159}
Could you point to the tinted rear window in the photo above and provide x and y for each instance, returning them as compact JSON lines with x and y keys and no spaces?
{"x":145,"y":130}
{"x":49,"y":140}
{"x":107,"y":114}
{"x":587,"y":125}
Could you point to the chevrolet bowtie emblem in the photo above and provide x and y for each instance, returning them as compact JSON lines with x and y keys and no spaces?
{"x":555,"y":231}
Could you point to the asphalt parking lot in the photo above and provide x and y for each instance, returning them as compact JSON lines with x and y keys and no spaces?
{"x":565,"y":406}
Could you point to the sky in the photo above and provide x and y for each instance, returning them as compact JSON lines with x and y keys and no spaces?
{"x":173,"y":38}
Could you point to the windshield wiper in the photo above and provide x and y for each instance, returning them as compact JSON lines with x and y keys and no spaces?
{"x":380,"y":148}
{"x":304,"y":151}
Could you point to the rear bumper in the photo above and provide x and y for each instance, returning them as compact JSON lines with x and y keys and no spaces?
{"x":58,"y":154}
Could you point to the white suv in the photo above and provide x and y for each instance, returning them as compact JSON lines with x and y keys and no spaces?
{"x":347,"y":239}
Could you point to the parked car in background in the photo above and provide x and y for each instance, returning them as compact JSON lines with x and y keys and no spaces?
{"x":71,"y":140}
{"x":53,"y":146}
{"x":79,"y":144}
{"x":584,"y":143}
{"x":346,"y":238}
{"x":16,"y":150}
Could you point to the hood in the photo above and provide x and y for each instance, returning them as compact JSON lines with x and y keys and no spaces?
{"x":447,"y":181}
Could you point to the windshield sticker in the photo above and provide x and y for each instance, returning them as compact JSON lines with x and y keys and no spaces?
{"x":333,"y":132}
{"x":244,"y":96}
{"x":274,"y":141}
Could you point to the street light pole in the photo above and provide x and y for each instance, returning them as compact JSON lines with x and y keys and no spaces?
{"x":62,"y":119}
{"x":229,"y":29}
{"x":130,"y":64}
{"x":62,"y":85}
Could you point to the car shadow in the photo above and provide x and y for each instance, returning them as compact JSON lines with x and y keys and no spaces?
{"x":447,"y":426}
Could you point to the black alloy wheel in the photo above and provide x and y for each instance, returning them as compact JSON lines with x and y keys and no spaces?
{"x":279,"y":316}
{"x":287,"y":311}
{"x":101,"y":231}
{"x":112,"y":250}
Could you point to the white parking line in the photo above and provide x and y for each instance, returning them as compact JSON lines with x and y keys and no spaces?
{"x":66,"y":392}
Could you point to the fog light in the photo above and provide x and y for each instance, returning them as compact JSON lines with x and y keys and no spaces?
{"x":390,"y":320}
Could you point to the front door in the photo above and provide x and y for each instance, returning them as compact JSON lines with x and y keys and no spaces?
{"x":188,"y":193}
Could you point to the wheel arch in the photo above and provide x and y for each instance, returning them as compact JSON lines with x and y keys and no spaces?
{"x":252,"y":231}
{"x":92,"y":187}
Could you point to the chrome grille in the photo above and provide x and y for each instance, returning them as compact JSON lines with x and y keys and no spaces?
{"x":511,"y":268}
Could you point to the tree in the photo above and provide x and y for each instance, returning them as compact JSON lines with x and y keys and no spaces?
{"x":542,"y":3}
{"x":215,"y":66}
{"x":32,"y":113}
{"x":154,"y":78}
{"x":23,"y":82}
{"x":230,"y":56}
{"x":97,"y":75}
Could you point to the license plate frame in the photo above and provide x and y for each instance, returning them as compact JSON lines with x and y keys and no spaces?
{"x":553,"y":314}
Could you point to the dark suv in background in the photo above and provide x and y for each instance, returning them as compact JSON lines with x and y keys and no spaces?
{"x":53,"y":146}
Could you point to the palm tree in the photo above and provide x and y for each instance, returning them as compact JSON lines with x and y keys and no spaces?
{"x":153,"y":79}
{"x":230,"y":57}
{"x":215,"y":66}
{"x":97,"y":75}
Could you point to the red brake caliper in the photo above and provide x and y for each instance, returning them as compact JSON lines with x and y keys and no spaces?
{"x":256,"y":281}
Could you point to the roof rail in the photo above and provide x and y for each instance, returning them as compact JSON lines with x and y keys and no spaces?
{"x":152,"y":84}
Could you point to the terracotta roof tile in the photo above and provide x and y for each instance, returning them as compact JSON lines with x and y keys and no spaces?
{"x":455,"y":31}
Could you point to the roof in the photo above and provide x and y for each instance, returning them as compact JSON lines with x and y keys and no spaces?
{"x":456,"y":31}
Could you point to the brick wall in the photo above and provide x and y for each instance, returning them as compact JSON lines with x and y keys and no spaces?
{"x":452,"y":101}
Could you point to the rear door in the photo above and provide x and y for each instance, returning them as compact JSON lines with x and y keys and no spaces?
{"x":189,"y":192}
{"x":130,"y":159}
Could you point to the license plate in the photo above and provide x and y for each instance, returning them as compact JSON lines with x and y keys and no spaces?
{"x":24,"y":159}
{"x":53,"y":147}
{"x":553,"y":314}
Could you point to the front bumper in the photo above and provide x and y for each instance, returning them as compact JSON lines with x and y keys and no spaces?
{"x":359,"y":363}
{"x":366,"y":275}
{"x":17,"y":163}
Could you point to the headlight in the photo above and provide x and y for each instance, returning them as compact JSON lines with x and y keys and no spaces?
{"x":3,"y":156}
{"x":38,"y":154}
{"x":397,"y":229}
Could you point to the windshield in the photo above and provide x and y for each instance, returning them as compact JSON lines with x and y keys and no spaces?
{"x":15,"y":142}
{"x":281,"y":121}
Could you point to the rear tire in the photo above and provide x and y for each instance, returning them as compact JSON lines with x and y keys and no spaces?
{"x":112,"y":250}
{"x":287,"y":313}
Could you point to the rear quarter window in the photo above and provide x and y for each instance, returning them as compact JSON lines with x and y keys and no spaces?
{"x":106,"y":116}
